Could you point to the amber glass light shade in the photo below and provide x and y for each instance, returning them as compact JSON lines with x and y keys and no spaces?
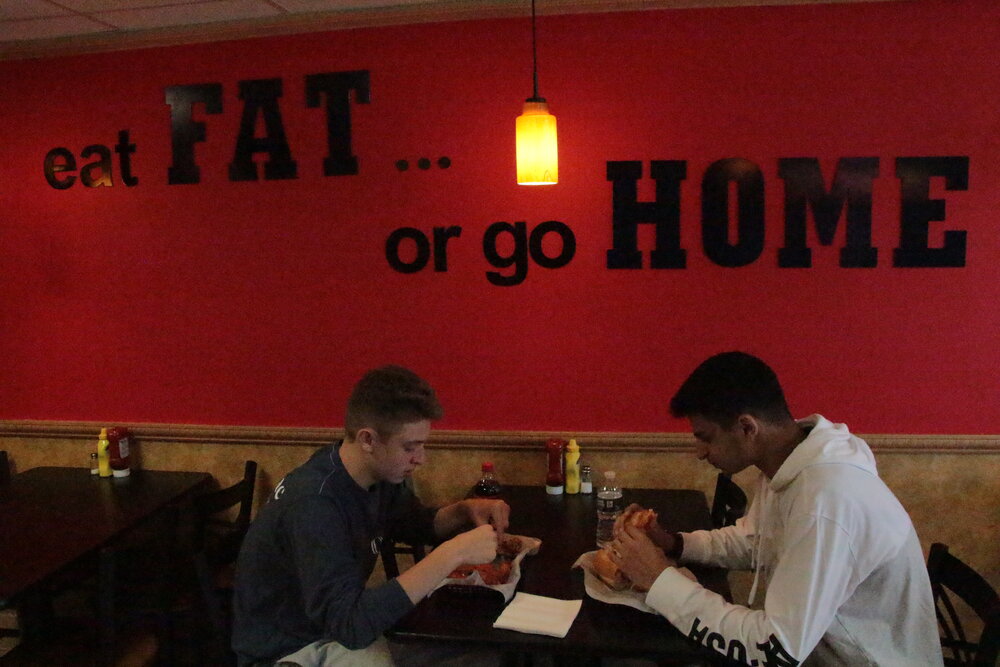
{"x":537,"y":150}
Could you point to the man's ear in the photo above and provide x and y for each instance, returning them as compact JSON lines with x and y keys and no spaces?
{"x":366,"y":438}
{"x":748,"y":425}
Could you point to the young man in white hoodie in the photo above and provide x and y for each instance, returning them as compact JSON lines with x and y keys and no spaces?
{"x":827,"y":540}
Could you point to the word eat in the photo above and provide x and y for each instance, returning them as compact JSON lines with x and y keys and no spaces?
{"x":804,"y":188}
{"x":94,"y":174}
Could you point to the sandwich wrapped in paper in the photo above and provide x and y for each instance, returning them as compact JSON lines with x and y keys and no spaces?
{"x":604,"y":581}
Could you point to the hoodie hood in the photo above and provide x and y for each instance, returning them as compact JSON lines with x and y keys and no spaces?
{"x":826,"y":443}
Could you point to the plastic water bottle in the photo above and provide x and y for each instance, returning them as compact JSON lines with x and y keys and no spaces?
{"x":610,"y":505}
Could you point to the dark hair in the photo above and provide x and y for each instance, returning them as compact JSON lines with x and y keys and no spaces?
{"x":386,"y":398}
{"x":728,"y":385}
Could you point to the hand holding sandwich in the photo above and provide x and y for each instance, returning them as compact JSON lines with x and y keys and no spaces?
{"x":638,"y":557}
{"x":636,"y":515}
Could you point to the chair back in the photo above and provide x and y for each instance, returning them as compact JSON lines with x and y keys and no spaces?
{"x":220,"y":534}
{"x":216,"y":545}
{"x":948,"y":574}
{"x":391,"y":548}
{"x":729,"y":504}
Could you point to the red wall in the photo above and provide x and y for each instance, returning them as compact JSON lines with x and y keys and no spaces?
{"x":262,"y":302}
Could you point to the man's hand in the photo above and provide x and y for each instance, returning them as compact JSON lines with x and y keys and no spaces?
{"x":473,"y":547}
{"x":623,"y":517}
{"x":483,"y":510}
{"x":639,"y":558}
{"x":474,"y":511}
{"x":655,"y":531}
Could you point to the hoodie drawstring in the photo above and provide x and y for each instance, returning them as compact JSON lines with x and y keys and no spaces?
{"x":756,"y":554}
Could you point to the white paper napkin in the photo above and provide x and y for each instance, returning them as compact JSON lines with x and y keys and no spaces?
{"x":539,"y":615}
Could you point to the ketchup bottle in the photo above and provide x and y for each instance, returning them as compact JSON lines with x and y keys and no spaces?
{"x":118,"y":451}
{"x":555,"y":477}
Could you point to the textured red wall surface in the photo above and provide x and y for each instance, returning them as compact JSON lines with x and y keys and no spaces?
{"x":262,"y":302}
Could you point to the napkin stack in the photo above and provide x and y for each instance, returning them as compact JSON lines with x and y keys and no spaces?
{"x":539,"y":615}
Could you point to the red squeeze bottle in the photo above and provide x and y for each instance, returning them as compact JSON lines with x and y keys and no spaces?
{"x":555,"y":477}
{"x":118,"y":451}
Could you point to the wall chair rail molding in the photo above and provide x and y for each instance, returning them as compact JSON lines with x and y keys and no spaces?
{"x":458,"y":439}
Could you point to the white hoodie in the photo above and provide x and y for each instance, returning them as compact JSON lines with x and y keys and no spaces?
{"x":839,"y":558}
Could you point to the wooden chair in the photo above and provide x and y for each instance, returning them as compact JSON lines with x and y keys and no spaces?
{"x":9,"y":626}
{"x":729,"y":503}
{"x":391,"y":548}
{"x":216,"y":545}
{"x":949,"y":574}
{"x":96,"y":635}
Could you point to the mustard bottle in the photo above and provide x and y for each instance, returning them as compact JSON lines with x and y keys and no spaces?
{"x":103,"y":456}
{"x":572,"y":467}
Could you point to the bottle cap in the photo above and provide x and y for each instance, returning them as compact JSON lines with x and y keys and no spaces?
{"x":572,"y":446}
{"x":103,"y":435}
{"x":487,"y":466}
{"x":585,"y":468}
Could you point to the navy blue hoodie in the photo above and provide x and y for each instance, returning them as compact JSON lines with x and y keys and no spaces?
{"x":302,"y":570}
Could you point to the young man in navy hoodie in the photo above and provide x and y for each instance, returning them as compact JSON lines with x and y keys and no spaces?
{"x":300,"y":592}
{"x":834,"y":553}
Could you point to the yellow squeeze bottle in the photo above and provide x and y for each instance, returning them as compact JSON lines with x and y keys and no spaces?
{"x":572,"y":467}
{"x":103,"y":456}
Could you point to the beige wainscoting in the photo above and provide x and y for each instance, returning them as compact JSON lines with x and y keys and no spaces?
{"x":949,"y":484}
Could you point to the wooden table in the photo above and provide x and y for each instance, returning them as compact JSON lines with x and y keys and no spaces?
{"x":566,"y":525}
{"x":52,"y":520}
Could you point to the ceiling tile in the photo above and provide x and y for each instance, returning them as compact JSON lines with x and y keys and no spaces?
{"x":29,"y":9}
{"x":175,"y":15}
{"x":51,"y":27}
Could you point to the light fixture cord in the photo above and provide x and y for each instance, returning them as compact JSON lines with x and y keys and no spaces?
{"x":534,"y":54}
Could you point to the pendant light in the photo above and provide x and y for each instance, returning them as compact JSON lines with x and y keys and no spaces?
{"x":537,"y":151}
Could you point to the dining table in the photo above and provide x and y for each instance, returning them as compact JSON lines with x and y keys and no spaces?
{"x":59,"y":521}
{"x":566,"y":525}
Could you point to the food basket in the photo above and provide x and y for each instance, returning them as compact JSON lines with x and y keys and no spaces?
{"x":473,"y":585}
